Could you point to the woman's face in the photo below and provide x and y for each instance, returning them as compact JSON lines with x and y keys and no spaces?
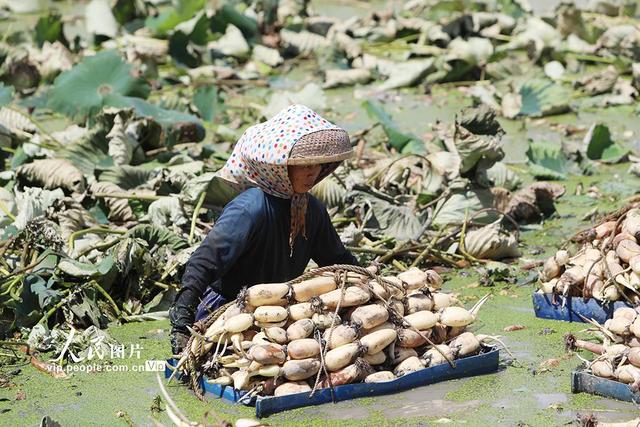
{"x":303,"y":177}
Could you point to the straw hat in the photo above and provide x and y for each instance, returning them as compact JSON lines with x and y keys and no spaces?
{"x":323,"y":146}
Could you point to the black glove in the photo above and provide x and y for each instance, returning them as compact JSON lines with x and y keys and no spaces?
{"x":181,"y":315}
{"x":178,"y":342}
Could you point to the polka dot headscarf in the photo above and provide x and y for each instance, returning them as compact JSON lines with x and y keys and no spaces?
{"x":259,"y":159}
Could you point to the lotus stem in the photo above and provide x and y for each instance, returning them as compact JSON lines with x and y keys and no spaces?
{"x":107,"y":297}
{"x":427,"y":248}
{"x":592,"y":58}
{"x":6,"y":211}
{"x":132,"y":196}
{"x":99,"y":230}
{"x":100,"y":247}
{"x":461,"y":246}
{"x":194,"y":217}
{"x":53,"y":309}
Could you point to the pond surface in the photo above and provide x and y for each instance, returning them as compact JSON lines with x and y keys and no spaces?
{"x":532,"y":390}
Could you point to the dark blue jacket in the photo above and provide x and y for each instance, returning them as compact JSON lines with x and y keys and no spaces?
{"x":249,"y":244}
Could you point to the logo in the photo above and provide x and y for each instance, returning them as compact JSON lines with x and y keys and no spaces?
{"x":154,"y":365}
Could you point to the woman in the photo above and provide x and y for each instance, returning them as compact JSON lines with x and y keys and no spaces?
{"x":271,"y":230}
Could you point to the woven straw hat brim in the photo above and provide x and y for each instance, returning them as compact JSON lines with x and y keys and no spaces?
{"x":324,"y":146}
{"x":316,"y":160}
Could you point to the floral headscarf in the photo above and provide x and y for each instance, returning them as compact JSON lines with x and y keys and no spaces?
{"x":259,"y":159}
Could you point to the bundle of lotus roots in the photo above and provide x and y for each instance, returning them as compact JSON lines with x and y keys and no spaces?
{"x":618,"y":349}
{"x":332,"y":326}
{"x":607,"y":265}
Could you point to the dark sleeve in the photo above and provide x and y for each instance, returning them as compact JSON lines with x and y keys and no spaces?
{"x":228,"y":239}
{"x":220,"y":249}
{"x":327,"y":248}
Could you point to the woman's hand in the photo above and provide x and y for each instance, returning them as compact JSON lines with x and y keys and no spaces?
{"x":181,"y":315}
{"x":178,"y":342}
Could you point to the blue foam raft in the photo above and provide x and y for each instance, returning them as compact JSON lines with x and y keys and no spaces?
{"x":570,"y":309}
{"x":584,"y":382}
{"x":483,"y":363}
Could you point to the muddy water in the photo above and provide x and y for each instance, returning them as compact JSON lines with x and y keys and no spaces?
{"x":425,"y":401}
{"x":546,"y":400}
{"x":415,"y":112}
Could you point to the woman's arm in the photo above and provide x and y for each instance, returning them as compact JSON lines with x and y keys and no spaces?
{"x":224,"y":244}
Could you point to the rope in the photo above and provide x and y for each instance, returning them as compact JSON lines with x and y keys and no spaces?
{"x":603,"y":250}
{"x":323,"y":367}
{"x":583,"y":235}
{"x":345,"y":267}
{"x":381,"y":280}
{"x":340,"y":272}
{"x":363,"y":271}
{"x":394,"y":313}
{"x":201,"y":326}
{"x":323,"y":352}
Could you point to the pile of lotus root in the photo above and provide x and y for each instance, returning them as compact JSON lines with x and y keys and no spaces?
{"x":606,"y":267}
{"x":618,"y":354}
{"x":336,"y":325}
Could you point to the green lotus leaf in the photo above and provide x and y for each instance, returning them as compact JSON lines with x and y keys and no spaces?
{"x":547,"y":160}
{"x":157,"y":236}
{"x":169,"y":19}
{"x":94,"y":83}
{"x":228,"y":14}
{"x":49,"y":29}
{"x":401,"y":141}
{"x":207,"y":100}
{"x":542,"y":97}
{"x":6,"y":94}
{"x":179,"y":126}
{"x":600,"y":146}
